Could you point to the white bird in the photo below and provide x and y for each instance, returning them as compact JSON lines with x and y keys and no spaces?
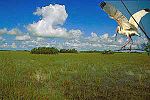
{"x":127,"y":28}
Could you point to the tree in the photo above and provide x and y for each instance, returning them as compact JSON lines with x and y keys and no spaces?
{"x":68,"y":51}
{"x":147,"y":48}
{"x":44,"y":50}
{"x":62,"y":51}
{"x":107,"y":52}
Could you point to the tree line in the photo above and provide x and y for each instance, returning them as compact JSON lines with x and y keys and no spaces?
{"x":68,"y":51}
{"x":51,"y":50}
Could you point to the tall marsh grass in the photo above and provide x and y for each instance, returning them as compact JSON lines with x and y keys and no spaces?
{"x":80,"y":76}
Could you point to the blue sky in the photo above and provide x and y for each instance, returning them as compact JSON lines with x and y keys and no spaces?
{"x":83,"y":15}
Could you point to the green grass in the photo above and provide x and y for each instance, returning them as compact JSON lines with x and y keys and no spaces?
{"x":83,"y":76}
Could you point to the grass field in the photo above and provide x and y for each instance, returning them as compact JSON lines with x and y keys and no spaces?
{"x":83,"y":76}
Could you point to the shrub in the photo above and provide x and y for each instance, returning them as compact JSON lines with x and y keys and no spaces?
{"x":107,"y":52}
{"x":91,"y":51}
{"x":147,"y":48}
{"x":44,"y":50}
{"x":68,"y":51}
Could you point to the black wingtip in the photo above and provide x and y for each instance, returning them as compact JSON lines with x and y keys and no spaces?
{"x":147,"y":10}
{"x":102,"y":4}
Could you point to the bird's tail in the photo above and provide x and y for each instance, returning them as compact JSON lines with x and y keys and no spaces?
{"x":147,"y":10}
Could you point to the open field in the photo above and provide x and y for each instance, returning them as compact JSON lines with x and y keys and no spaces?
{"x":83,"y":76}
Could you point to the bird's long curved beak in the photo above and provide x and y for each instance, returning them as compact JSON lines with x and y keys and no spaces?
{"x":117,"y":30}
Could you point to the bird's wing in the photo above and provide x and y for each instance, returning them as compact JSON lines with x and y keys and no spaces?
{"x":137,"y":16}
{"x":116,"y":15}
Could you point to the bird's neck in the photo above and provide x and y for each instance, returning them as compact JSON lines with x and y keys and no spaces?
{"x":120,"y":30}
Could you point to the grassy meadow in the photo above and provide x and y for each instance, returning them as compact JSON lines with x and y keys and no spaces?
{"x":82,"y":76}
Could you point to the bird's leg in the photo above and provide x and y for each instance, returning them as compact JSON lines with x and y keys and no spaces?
{"x":131,"y":43}
{"x":116,"y":37}
{"x":116,"y":34}
{"x":129,"y":39}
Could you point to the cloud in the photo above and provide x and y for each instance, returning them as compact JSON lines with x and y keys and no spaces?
{"x":5,"y":45}
{"x":23,"y":38}
{"x":75,"y":33}
{"x":38,"y":42}
{"x":2,"y":39}
{"x":3,"y":31}
{"x":105,"y":36}
{"x":53,"y":17}
{"x":13,"y":45}
{"x":101,"y":42}
{"x":92,"y":42}
{"x":93,"y":38}
{"x":14,"y":31}
{"x":40,"y":39}
{"x":94,"y":35}
{"x":8,"y":46}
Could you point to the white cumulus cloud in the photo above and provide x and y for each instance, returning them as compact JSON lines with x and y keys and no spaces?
{"x":14,"y":31}
{"x":2,"y":39}
{"x":23,"y":38}
{"x":53,"y":16}
{"x":75,"y":34}
{"x":13,"y":45}
{"x":3,"y":31}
